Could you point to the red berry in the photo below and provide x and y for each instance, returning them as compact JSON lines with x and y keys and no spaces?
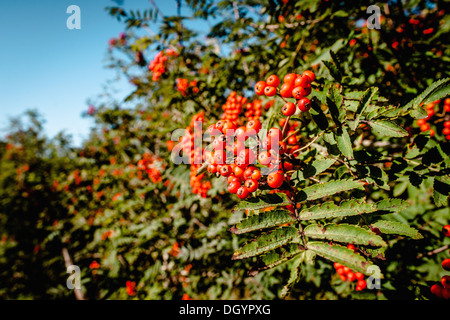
{"x":225,"y":170}
{"x":270,"y":91}
{"x":275,"y":180}
{"x":234,"y":186}
{"x":446,"y":230}
{"x":446,"y":131}
{"x":288,"y":109}
{"x":264,"y":158}
{"x":304,"y":104}
{"x":289,"y":78}
{"x":286,"y":90}
{"x":446,"y":293}
{"x":310,"y":74}
{"x":251,"y":185}
{"x":361,"y":285}
{"x":445,"y":281}
{"x":273,"y":81}
{"x":302,"y":81}
{"x":242,"y":192}
{"x":436,"y":289}
{"x":359,"y":276}
{"x":351,"y":276}
{"x":259,"y":88}
{"x":446,"y":264}
{"x":447,"y":124}
{"x":253,"y":125}
{"x":298,"y":93}
{"x":351,"y":247}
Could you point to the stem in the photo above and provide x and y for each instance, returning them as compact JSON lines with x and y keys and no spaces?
{"x":310,"y":143}
{"x":435,"y":251}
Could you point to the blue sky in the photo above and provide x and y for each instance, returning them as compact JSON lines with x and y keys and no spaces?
{"x":46,"y":66}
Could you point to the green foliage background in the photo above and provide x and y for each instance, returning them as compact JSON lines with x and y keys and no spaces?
{"x":55,"y":197}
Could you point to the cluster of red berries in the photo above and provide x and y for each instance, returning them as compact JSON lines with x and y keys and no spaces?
{"x":346,"y":274}
{"x":232,"y":108}
{"x":297,"y":86}
{"x":442,"y":290}
{"x":231,"y":159}
{"x":157,"y":65}
{"x":194,"y":150}
{"x":435,"y":117}
{"x":131,"y":287}
{"x":152,"y":166}
{"x":186,"y":87}
{"x":253,"y":110}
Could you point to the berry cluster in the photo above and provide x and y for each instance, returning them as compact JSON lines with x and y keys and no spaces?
{"x":346,"y":274}
{"x":157,"y":65}
{"x":233,"y":106}
{"x":186,"y":87}
{"x":191,"y":145}
{"x":436,"y":117}
{"x":442,"y":290}
{"x":297,"y":86}
{"x":253,"y":110}
{"x":131,"y":287}
{"x":152,"y":166}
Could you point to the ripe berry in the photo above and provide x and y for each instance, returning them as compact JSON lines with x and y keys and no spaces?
{"x":238,"y":171}
{"x":242,"y":192}
{"x":273,"y":81}
{"x":259,"y":88}
{"x":251,"y":185}
{"x":252,"y":172}
{"x":446,"y":131}
{"x":351,"y":276}
{"x":234,"y":186}
{"x":446,"y":230}
{"x":445,"y":281}
{"x":289,"y":78}
{"x":286,"y":90}
{"x":447,"y":124}
{"x":275,"y":180}
{"x":359,"y":276}
{"x":421,"y":122}
{"x":274,"y":133}
{"x":304,"y":104}
{"x":302,"y":81}
{"x":212,"y":168}
{"x":436,"y":289}
{"x":270,"y":91}
{"x":288,"y":109}
{"x":253,"y":125}
{"x":225,"y":170}
{"x":446,"y":264}
{"x":298,"y":93}
{"x":264,"y":158}
{"x":310,"y":74}
{"x":361,"y":285}
{"x":245,"y":158}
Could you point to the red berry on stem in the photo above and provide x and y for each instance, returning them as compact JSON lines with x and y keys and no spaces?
{"x":275,"y":180}
{"x":273,"y":81}
{"x":288,"y":109}
{"x":304,"y":104}
{"x":259,"y":88}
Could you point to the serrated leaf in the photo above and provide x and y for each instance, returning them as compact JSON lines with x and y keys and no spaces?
{"x":344,"y":142}
{"x":387,"y":128}
{"x":441,"y":190}
{"x":333,"y":69}
{"x":342,"y":255}
{"x":321,"y":190}
{"x":330,"y":210}
{"x":263,"y":201}
{"x":363,"y":105}
{"x":294,"y":274}
{"x":315,"y":168}
{"x":442,"y":86}
{"x":266,"y":242}
{"x":263,"y":220}
{"x":344,"y":233}
{"x":395,"y":227}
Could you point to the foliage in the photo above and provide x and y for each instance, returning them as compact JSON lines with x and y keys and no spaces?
{"x":365,"y":173}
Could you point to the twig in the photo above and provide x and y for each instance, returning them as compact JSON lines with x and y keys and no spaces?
{"x":68,"y":262}
{"x":435,"y":251}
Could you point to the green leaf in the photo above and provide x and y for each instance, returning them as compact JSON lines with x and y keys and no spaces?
{"x":263,"y":220}
{"x":387,"y":128}
{"x":344,"y":142}
{"x":363,"y":104}
{"x":435,"y":91}
{"x":278,"y":256}
{"x":263,"y":201}
{"x":331,"y":210}
{"x":266,"y":242}
{"x":321,"y":190}
{"x":344,"y":233}
{"x":294,"y":275}
{"x":315,"y":168}
{"x":395,"y":227}
{"x":342,"y":255}
{"x":333,"y":69}
{"x":441,"y":190}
